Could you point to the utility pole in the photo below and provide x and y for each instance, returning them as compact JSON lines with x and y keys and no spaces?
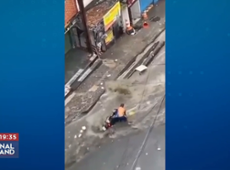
{"x":84,"y":21}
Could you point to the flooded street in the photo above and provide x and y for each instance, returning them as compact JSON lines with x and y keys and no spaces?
{"x":144,"y":99}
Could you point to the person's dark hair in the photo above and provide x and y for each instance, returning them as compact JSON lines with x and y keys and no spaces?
{"x":122,"y":105}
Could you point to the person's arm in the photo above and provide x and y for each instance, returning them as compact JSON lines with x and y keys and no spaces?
{"x":125,"y":113}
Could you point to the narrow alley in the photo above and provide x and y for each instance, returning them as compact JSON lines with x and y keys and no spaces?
{"x":145,"y":100}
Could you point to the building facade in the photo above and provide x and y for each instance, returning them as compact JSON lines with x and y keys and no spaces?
{"x":71,"y":10}
{"x":105,"y":21}
{"x":134,"y":11}
{"x":113,"y":24}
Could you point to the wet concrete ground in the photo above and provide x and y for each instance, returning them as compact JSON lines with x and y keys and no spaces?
{"x":126,"y":154}
{"x":147,"y":92}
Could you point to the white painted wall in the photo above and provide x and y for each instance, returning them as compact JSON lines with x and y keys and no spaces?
{"x":87,"y":2}
{"x":125,"y":16}
{"x":136,"y":11}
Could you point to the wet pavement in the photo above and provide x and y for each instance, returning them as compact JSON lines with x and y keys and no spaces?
{"x":126,"y":148}
{"x":146,"y":100}
{"x":124,"y":50}
{"x":126,"y":153}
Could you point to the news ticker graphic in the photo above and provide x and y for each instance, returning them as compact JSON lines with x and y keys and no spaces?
{"x":9,"y":145}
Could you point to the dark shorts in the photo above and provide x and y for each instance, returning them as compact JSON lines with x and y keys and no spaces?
{"x":118,"y":119}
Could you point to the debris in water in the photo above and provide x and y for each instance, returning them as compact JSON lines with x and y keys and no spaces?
{"x":158,"y":149}
{"x":131,"y":113}
{"x":75,"y":136}
{"x":83,"y":128}
{"x":103,"y":128}
{"x":79,"y":135}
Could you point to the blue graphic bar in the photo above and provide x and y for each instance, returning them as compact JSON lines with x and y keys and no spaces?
{"x":9,"y":149}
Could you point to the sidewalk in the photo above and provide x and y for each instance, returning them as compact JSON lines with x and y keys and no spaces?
{"x":75,"y":59}
{"x":114,"y":61}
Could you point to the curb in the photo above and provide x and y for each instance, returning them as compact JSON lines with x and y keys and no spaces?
{"x":146,"y":55}
{"x":131,"y":72}
{"x":133,"y":59}
{"x":151,"y":58}
{"x":87,"y":73}
{"x":126,"y":67}
{"x":68,"y":85}
{"x":93,"y":104}
{"x":91,"y":67}
{"x":86,"y":67}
